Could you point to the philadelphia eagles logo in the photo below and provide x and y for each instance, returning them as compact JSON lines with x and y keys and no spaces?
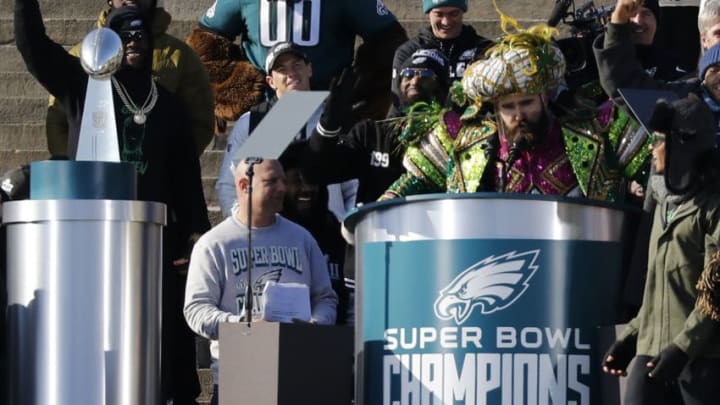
{"x":493,"y":283}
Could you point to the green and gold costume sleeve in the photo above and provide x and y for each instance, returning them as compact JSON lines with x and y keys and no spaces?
{"x":426,"y":159}
{"x":630,"y":142}
{"x":408,"y":184}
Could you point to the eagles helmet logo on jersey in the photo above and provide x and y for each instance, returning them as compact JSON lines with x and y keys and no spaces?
{"x":492,"y":284}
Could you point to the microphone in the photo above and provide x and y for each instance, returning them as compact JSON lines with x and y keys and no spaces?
{"x":253,"y":160}
{"x":519,"y":145}
{"x":558,"y":12}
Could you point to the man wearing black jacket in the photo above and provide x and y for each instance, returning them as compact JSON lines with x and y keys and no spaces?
{"x":658,"y":63}
{"x":370,"y":151}
{"x":458,"y":42}
{"x":155,"y":138}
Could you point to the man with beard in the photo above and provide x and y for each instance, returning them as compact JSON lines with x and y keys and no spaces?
{"x":527,"y":148}
{"x":674,"y":337}
{"x":458,"y":42}
{"x":156,"y":139}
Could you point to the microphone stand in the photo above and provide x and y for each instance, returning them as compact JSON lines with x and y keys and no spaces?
{"x":503,"y":176}
{"x":493,"y":158}
{"x":518,"y":147}
{"x":249,"y":297}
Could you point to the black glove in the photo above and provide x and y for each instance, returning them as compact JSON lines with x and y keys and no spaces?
{"x":338,"y":107}
{"x":619,"y":355}
{"x":668,"y":364}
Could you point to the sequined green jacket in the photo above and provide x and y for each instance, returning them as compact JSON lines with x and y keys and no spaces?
{"x":438,"y":163}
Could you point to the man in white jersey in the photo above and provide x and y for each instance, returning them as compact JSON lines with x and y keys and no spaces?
{"x":283,"y":252}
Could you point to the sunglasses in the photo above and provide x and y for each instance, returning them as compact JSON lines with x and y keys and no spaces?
{"x":420,"y":72}
{"x":656,"y":138}
{"x":130,"y":36}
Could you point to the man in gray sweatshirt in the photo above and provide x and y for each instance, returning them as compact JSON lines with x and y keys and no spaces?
{"x":283,"y":252}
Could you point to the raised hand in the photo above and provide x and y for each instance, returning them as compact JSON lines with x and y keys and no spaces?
{"x":338,"y":107}
{"x":624,"y":10}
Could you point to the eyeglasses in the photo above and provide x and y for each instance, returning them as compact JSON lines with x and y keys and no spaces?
{"x":656,"y":138}
{"x":421,"y":72}
{"x":130,"y":36}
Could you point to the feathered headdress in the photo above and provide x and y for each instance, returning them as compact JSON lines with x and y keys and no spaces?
{"x":524,"y":61}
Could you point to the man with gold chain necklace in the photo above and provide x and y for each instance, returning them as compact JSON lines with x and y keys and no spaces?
{"x":152,"y":134}
{"x":527,"y":147}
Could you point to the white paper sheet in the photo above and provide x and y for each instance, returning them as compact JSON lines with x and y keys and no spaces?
{"x":286,"y":301}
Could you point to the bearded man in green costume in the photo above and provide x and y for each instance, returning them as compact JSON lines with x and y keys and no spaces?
{"x":528,"y":146}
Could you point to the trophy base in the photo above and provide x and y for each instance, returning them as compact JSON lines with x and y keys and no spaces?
{"x":82,"y":180}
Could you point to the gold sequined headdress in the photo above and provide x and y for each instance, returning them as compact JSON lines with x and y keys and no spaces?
{"x":524,"y":61}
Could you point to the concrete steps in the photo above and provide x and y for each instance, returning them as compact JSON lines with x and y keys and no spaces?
{"x":21,"y":109}
{"x":10,"y":59}
{"x":21,"y":83}
{"x":64,"y":31}
{"x":17,"y":157}
{"x":22,"y":136}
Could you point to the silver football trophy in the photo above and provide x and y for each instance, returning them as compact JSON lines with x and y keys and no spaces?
{"x":101,"y":55}
{"x":85,"y":321}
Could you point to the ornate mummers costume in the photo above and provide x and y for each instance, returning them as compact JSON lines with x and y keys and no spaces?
{"x":455,"y":156}
{"x":576,"y":155}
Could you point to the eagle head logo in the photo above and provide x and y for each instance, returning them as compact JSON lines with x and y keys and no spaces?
{"x":492,"y":283}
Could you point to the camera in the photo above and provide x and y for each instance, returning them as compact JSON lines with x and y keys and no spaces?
{"x":586,"y":23}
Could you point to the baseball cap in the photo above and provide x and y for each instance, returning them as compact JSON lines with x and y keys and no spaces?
{"x":125,"y":19}
{"x":428,"y":5}
{"x":282,"y":48}
{"x":429,"y":59}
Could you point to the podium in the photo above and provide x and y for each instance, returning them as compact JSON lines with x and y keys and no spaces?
{"x":84,"y":288}
{"x":486,"y":298}
{"x":285,"y":364}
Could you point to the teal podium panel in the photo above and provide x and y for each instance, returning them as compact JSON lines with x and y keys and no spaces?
{"x":82,"y":180}
{"x":485,"y":299}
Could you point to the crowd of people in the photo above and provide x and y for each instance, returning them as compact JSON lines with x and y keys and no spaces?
{"x":445,"y":111}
